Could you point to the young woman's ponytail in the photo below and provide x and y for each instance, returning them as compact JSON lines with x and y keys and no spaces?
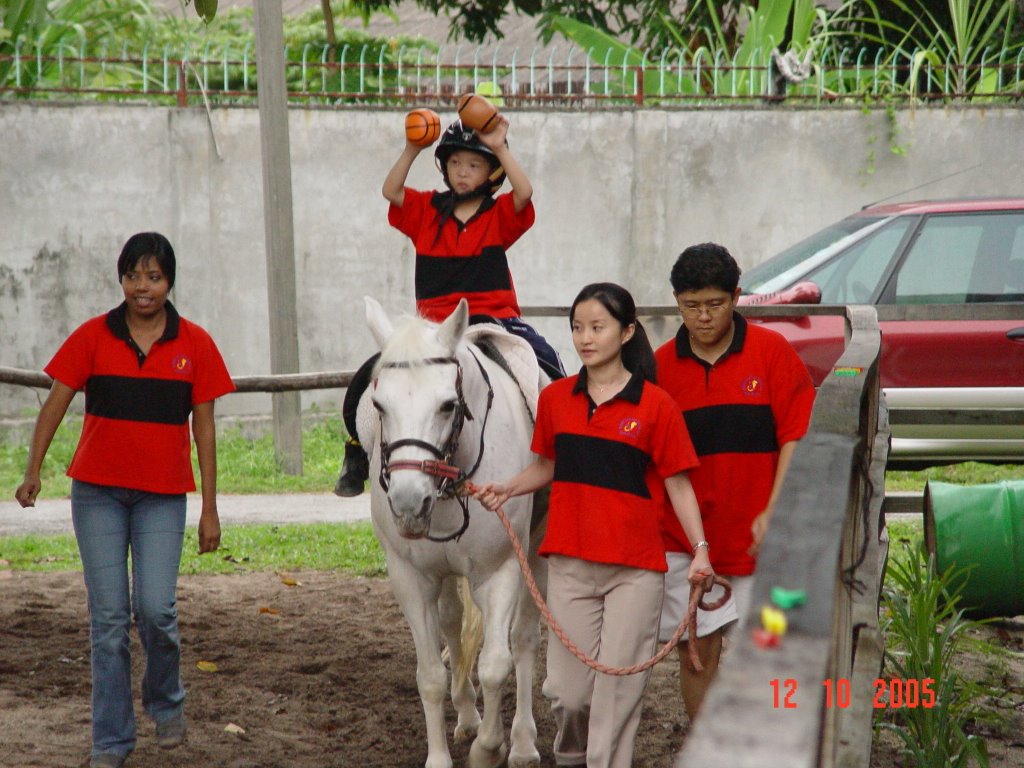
{"x":638,"y":354}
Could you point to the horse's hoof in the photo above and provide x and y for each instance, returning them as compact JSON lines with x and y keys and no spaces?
{"x":464,"y":733}
{"x":482,"y":757}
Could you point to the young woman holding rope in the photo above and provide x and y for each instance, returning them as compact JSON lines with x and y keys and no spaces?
{"x":612,"y":445}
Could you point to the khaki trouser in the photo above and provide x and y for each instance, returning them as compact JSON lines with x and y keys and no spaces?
{"x":611,"y":613}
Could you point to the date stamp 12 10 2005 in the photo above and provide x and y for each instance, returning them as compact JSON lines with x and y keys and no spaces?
{"x":888,"y":693}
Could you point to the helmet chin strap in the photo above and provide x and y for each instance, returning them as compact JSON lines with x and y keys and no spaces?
{"x":483,"y":190}
{"x":447,"y":208}
{"x":449,"y":204}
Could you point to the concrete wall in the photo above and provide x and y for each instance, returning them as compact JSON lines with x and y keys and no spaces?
{"x":618,"y":195}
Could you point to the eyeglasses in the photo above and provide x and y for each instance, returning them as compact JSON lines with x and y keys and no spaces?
{"x":714,"y":309}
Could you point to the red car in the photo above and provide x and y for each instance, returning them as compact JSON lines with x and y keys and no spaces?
{"x":909,"y":259}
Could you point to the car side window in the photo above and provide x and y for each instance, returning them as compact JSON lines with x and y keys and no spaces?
{"x":853,"y":276}
{"x":964,"y":258}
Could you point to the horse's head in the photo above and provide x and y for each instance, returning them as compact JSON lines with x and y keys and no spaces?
{"x":417,"y":392}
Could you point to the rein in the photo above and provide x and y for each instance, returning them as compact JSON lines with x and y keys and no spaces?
{"x":697,"y":593}
{"x":451,"y":476}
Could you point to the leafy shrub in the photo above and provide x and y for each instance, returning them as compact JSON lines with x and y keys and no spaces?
{"x":925,"y":628}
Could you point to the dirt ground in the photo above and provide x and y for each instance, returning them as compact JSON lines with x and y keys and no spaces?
{"x":319,"y":675}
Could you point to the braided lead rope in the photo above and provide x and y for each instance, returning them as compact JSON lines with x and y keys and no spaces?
{"x":690,"y":619}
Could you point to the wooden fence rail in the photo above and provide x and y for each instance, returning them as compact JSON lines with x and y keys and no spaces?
{"x":787,"y":706}
{"x":661,"y":316}
{"x":286,"y":382}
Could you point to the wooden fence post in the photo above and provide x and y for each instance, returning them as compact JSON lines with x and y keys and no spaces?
{"x":279,"y":228}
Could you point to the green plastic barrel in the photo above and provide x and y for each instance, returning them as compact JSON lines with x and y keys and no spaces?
{"x":981,"y":528}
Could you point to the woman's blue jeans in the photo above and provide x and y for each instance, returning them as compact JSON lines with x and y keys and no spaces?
{"x":108,"y":522}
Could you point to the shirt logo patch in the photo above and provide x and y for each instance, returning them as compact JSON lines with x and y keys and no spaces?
{"x":752,"y":386}
{"x":630,"y":427}
{"x":182,"y":364}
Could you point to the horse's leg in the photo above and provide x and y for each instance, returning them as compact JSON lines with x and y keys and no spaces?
{"x":453,"y":616}
{"x":418,"y":597}
{"x":525,"y":643}
{"x":498,"y":596}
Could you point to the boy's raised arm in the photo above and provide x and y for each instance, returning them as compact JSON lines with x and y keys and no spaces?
{"x":394,"y":183}
{"x":522,"y":189}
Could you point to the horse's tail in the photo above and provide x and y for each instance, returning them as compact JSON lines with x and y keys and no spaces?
{"x":472,"y":633}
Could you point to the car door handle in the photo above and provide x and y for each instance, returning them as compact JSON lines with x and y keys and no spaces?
{"x":1015,"y":334}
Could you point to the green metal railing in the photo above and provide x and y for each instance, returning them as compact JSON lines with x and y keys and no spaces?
{"x":381,"y":74}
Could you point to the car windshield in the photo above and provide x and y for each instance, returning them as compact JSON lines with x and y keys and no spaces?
{"x":793,"y":263}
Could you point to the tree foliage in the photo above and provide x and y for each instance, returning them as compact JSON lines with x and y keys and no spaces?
{"x":895,"y":21}
{"x":646,"y":22}
{"x":954,"y":39}
{"x":66,"y":22}
{"x":95,"y":29}
{"x":207,"y":9}
{"x":655,"y":24}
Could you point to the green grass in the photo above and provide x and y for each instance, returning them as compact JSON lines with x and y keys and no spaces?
{"x":244,"y":465}
{"x":968,"y":473}
{"x":908,"y":531}
{"x":925,"y":631}
{"x":248,"y":465}
{"x":349,"y":548}
{"x":920,"y":630}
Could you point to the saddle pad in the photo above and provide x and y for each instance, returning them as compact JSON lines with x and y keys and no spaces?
{"x":521,"y":359}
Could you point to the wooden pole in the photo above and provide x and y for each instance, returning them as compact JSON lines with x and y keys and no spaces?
{"x":279,"y":228}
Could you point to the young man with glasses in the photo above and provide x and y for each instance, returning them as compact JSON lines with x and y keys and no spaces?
{"x":746,"y":398}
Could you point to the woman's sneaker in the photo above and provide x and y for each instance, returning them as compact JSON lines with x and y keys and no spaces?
{"x":107,"y":760}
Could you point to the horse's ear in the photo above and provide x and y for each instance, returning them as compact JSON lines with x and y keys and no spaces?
{"x":454,"y":326}
{"x":378,"y":321}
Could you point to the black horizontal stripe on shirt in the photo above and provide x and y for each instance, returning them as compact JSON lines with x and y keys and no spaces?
{"x":601,"y":463}
{"x":731,"y":429}
{"x":155,"y":401}
{"x":442,"y":275}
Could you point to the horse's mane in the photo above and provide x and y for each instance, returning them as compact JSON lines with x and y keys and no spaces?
{"x":411,"y":340}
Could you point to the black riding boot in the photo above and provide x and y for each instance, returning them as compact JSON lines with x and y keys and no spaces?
{"x":354,"y":471}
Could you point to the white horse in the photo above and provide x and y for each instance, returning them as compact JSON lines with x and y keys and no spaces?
{"x":446,"y":413}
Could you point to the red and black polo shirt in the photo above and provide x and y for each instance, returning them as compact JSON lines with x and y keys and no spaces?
{"x":136,"y":432}
{"x":611,"y":461}
{"x":739,"y":411}
{"x":468,"y":259}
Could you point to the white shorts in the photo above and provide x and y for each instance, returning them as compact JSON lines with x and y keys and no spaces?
{"x":677,"y":600}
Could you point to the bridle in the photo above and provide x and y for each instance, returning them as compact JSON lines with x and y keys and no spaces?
{"x":450,"y":476}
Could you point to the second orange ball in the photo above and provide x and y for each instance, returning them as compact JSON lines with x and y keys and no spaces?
{"x":477,"y":113}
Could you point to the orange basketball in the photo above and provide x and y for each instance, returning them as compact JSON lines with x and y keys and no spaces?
{"x":477,"y":113}
{"x":422,"y":127}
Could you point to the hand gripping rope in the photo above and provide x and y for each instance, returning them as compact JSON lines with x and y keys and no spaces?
{"x":689,"y":620}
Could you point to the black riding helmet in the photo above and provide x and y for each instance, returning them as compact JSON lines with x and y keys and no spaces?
{"x":457,"y":137}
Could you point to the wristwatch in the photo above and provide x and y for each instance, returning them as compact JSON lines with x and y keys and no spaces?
{"x":700,"y":544}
